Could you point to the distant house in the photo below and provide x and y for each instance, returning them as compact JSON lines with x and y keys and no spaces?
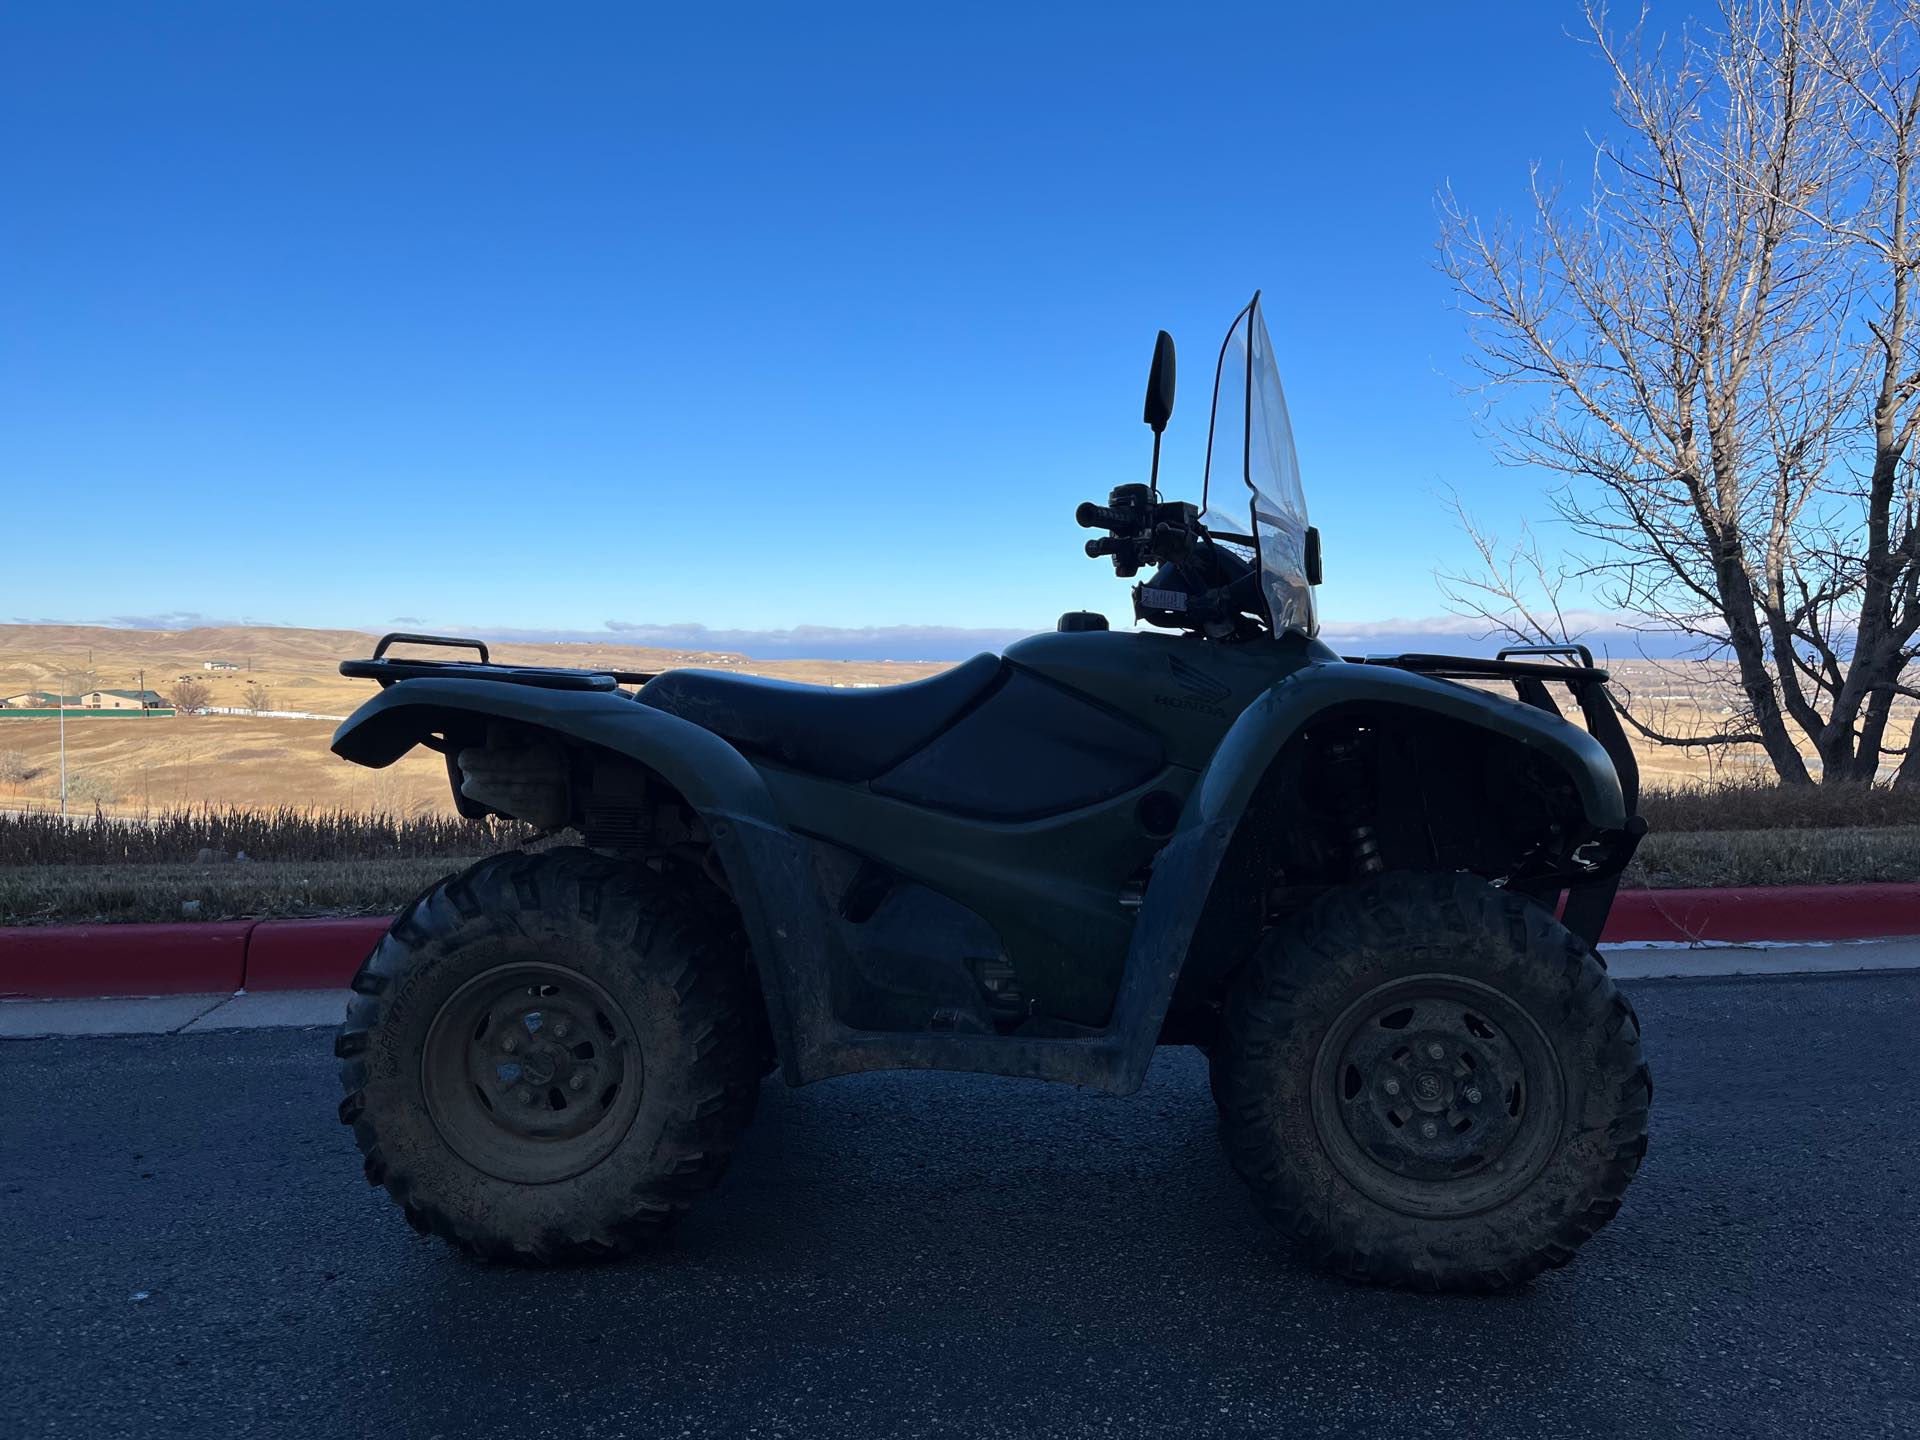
{"x":122,"y":700}
{"x":218,"y":665}
{"x":94,"y":702}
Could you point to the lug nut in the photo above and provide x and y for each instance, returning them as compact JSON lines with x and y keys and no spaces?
{"x":578,"y":1082}
{"x":526,"y":1097}
{"x":561,"y":1030}
{"x":1428,"y":1130}
{"x":1435,"y":1052}
{"x":1473,"y":1095}
{"x":509,"y":1044}
{"x":1392,"y":1087}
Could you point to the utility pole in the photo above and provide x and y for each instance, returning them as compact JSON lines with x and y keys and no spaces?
{"x":60,"y":701}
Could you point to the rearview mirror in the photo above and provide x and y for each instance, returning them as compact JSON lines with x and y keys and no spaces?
{"x":1160,"y":384}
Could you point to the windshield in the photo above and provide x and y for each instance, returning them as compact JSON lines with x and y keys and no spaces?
{"x":1250,"y":441}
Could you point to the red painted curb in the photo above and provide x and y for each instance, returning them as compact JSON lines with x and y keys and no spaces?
{"x":1783,"y":912}
{"x":70,"y":961}
{"x":310,"y":954}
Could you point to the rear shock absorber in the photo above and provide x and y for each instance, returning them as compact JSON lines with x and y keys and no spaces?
{"x":1349,"y":782}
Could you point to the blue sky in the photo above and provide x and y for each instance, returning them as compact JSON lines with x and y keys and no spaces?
{"x":750,"y":317}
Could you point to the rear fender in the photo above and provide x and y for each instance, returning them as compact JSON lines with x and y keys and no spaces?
{"x":781,"y":908}
{"x":709,"y":773}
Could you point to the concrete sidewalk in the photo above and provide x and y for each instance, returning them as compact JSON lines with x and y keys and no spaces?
{"x":1662,"y":960}
{"x":171,"y":1014}
{"x":181,"y":1014}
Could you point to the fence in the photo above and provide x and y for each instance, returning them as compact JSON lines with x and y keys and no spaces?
{"x":77,"y":713}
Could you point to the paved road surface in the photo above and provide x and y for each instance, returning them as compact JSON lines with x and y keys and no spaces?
{"x":190,"y":1251}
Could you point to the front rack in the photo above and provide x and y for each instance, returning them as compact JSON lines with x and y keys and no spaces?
{"x":1585,"y":909}
{"x":1472,"y":667}
{"x":387,"y":670}
{"x":1585,"y":681}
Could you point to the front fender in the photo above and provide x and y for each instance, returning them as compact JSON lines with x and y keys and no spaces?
{"x":1185,"y":871}
{"x":1264,"y":727}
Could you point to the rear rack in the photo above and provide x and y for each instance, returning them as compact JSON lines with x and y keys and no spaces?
{"x":385,"y":670}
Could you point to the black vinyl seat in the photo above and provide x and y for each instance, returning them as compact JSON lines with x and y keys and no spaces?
{"x":841,"y":734}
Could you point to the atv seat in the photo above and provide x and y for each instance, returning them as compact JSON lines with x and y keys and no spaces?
{"x":841,"y":734}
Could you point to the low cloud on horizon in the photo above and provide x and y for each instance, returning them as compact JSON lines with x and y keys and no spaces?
{"x":801,"y":642}
{"x":1607,"y":635}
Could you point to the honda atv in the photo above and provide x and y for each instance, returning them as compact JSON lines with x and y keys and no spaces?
{"x":1368,"y":891}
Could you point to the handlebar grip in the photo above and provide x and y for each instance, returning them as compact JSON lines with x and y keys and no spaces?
{"x":1098,"y":517}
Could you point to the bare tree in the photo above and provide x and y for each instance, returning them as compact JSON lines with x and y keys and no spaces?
{"x":15,"y":769}
{"x":257,"y":697}
{"x":1875,"y":54}
{"x":1718,"y":345}
{"x":189,"y":697}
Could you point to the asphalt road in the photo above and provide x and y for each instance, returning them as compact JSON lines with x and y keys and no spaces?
{"x":190,"y":1250}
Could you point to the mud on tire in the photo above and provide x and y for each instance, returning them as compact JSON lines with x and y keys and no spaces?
{"x":1431,"y":1083}
{"x":547,"y":1057}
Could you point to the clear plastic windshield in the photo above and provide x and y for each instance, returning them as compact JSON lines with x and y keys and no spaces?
{"x":1251,"y":440}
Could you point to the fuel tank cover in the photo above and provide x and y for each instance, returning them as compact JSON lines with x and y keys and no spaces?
{"x":1075,"y":621}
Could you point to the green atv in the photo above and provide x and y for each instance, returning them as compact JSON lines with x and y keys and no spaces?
{"x":1369,"y":892}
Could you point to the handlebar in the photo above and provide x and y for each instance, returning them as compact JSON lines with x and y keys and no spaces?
{"x":1145,"y":531}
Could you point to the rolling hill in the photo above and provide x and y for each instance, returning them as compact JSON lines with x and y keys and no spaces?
{"x":244,"y":759}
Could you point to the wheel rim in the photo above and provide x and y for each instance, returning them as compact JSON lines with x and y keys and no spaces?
{"x":1438,"y":1096}
{"x":531,"y":1072}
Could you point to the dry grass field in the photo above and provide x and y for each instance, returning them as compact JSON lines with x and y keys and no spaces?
{"x":127,"y":766}
{"x":181,"y":864}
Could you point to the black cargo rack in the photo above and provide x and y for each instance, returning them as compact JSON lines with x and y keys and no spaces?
{"x":1586,"y":682}
{"x":1472,"y":667}
{"x":387,"y":670}
{"x":1586,"y":909}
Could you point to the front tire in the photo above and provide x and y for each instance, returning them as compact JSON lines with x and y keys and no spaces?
{"x":1431,"y":1083}
{"x":549,"y":1056}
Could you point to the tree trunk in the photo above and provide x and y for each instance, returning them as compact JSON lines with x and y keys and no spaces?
{"x":1873,"y":737}
{"x":1909,"y":771}
{"x":1756,"y":680}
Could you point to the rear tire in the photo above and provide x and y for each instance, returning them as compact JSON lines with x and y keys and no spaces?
{"x":1431,"y":1083}
{"x":547,"y":1057}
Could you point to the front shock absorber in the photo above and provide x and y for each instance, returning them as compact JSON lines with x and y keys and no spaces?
{"x":1349,"y":784}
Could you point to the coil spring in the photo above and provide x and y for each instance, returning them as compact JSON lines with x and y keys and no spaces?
{"x":1349,"y":780}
